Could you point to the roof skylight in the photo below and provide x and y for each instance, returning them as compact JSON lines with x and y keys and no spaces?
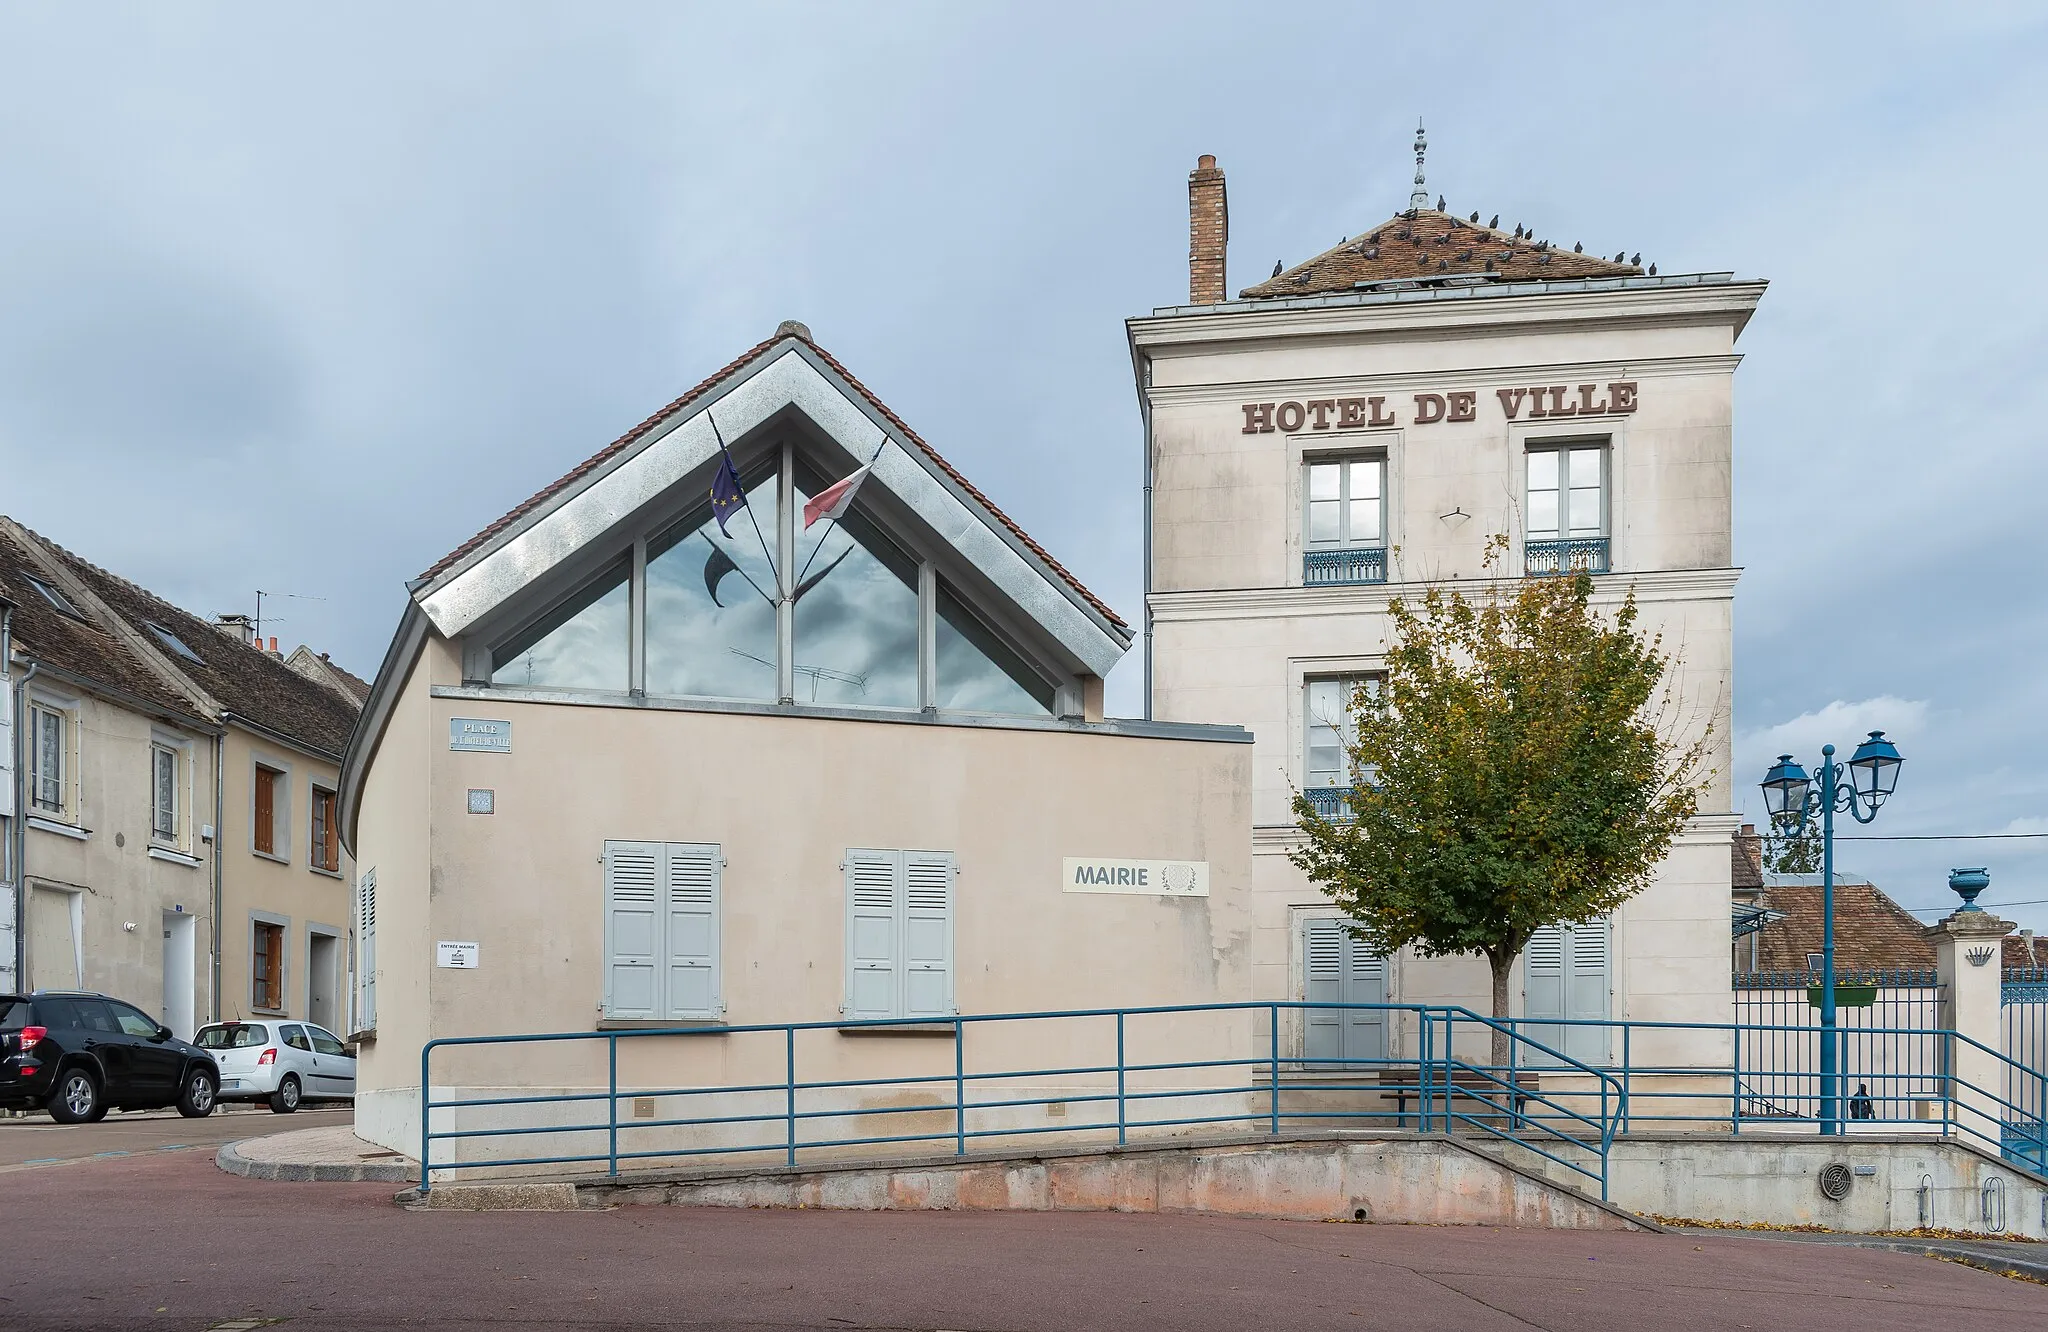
{"x":172,"y":641}
{"x":55,"y":598}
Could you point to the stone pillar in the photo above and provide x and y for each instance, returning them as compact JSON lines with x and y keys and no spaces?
{"x":1967,"y":951}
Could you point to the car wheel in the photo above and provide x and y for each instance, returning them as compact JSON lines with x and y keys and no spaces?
{"x":76,"y":1099}
{"x":196,"y":1099}
{"x":286,"y":1098}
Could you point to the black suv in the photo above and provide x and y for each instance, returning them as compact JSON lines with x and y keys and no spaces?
{"x":78,"y":1054}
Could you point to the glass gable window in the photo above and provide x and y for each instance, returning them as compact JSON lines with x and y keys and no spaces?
{"x":583,"y":644}
{"x":711,"y":605}
{"x":869,"y":622}
{"x":978,"y":672}
{"x":856,"y":613}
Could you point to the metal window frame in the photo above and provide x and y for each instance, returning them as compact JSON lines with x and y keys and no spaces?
{"x":577,"y":577}
{"x":1604,"y":445}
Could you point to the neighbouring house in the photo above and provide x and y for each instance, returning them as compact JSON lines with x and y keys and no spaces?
{"x":623,"y":768}
{"x":173,"y":836}
{"x":1360,"y":426}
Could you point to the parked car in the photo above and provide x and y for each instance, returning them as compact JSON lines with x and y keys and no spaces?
{"x":283,"y":1062}
{"x":79,"y":1054}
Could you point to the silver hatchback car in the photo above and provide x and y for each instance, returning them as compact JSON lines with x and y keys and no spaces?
{"x":284,"y":1062}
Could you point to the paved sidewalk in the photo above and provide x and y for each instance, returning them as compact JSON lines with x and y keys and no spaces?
{"x":329,"y":1154}
{"x":2006,"y":1257}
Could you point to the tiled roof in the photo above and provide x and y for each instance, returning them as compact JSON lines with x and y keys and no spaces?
{"x":89,"y":649}
{"x":619,"y":445}
{"x":2024,"y":952}
{"x":1425,"y":244}
{"x":1871,"y":930}
{"x":320,"y":668}
{"x":244,"y":680}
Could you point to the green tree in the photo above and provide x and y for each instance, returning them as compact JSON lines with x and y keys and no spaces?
{"x":1793,"y":851}
{"x":1515,"y":769}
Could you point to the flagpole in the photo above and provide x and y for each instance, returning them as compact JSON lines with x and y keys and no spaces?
{"x":746,"y":504}
{"x":822,"y":535}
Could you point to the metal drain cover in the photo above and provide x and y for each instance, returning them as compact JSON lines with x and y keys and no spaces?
{"x":1836,"y":1181}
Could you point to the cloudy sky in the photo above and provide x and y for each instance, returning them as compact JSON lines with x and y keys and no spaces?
{"x":300,"y":300}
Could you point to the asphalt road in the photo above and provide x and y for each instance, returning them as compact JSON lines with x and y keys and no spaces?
{"x":39,"y":1142}
{"x":167,"y":1241}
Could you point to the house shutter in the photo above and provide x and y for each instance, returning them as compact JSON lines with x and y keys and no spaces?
{"x":691,"y":944}
{"x":1322,"y":968}
{"x":632,"y":925}
{"x":366,"y":949}
{"x":928,"y":934}
{"x":873,"y":954}
{"x":1586,"y":988}
{"x":266,"y":811}
{"x":1543,"y":974}
{"x":1365,"y":975}
{"x":6,"y":751}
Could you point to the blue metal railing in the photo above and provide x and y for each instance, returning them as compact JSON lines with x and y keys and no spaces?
{"x":1330,"y":802}
{"x":1575,"y":555}
{"x":1353,"y":564}
{"x":1238,"y":1088}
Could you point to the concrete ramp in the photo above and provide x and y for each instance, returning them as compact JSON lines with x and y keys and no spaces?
{"x":1395,"y":1180}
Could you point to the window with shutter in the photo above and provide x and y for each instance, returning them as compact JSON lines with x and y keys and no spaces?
{"x":1565,"y":976}
{"x":264,"y":824}
{"x":1339,"y":968}
{"x":661,"y":930}
{"x":899,"y":934}
{"x":366,"y":950}
{"x":691,"y":943}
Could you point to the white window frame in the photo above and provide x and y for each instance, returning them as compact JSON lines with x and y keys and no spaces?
{"x":65,"y":713}
{"x":1603,"y":447}
{"x":1347,"y":731}
{"x":178,"y":751}
{"x":1345,"y":462}
{"x":280,"y":808}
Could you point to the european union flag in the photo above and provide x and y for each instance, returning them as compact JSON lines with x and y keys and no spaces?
{"x":726,"y":495}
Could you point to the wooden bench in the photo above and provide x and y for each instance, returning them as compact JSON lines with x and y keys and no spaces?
{"x":1467,"y":1085}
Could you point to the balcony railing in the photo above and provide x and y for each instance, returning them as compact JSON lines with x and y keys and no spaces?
{"x":1577,"y":555}
{"x":1354,"y":564}
{"x":1331,"y":802}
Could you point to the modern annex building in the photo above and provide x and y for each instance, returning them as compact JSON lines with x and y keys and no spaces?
{"x":616,"y":770}
{"x":1363,"y":423}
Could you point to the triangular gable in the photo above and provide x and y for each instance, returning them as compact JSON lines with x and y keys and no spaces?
{"x":788,"y":373}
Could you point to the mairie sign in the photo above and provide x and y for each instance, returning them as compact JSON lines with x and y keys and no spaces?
{"x":1144,"y":878}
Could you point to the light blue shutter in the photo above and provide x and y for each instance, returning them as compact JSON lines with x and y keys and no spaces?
{"x":1586,"y":991}
{"x":873,"y":958}
{"x":1365,"y":977}
{"x":1322,"y":969}
{"x":928,"y":934}
{"x":1543,"y":984}
{"x":366,"y":948}
{"x":632,"y":926}
{"x":692,"y":936}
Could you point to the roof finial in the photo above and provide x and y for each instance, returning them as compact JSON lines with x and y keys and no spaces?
{"x":1420,"y":198}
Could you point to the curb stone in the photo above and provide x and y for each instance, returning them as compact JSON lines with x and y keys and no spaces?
{"x":375,"y":1172}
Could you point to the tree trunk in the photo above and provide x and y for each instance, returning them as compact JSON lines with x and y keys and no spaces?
{"x":1503,"y":965}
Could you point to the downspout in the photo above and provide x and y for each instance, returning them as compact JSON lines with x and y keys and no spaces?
{"x":1145,"y":413}
{"x":18,"y":862}
{"x":219,"y":839}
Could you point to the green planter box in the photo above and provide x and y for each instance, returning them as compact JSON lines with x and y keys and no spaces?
{"x":1846,"y":996}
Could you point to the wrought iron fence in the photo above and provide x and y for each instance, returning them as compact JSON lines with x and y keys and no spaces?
{"x":1330,"y":802}
{"x":1884,"y":1075}
{"x":1353,"y":564}
{"x":2023,"y":1014}
{"x":1576,"y":555}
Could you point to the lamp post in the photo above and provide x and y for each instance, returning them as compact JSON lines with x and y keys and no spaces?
{"x":1790,"y":799}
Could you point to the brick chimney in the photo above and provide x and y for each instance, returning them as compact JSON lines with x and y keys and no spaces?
{"x":1208,"y":232}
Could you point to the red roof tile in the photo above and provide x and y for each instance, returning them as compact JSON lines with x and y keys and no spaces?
{"x":1429,"y":244}
{"x":619,"y":445}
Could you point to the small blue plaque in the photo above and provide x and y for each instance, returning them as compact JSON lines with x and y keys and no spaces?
{"x":480,"y":736}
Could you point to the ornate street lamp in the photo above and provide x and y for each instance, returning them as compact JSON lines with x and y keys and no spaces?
{"x":1789,"y":798}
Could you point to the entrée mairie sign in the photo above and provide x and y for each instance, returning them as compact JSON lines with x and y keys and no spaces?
{"x":1143,"y":878}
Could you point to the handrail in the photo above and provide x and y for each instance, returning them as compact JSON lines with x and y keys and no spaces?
{"x":1562,"y":1133}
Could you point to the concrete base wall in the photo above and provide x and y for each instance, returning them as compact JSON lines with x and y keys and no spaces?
{"x":1406,"y":1181}
{"x":1777,"y":1181}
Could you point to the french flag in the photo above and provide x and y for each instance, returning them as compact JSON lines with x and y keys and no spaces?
{"x":834,"y":500}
